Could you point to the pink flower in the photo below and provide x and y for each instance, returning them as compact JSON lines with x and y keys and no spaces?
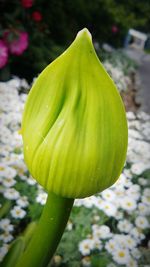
{"x":114,"y":29}
{"x":18,"y":44}
{"x":27,"y":3}
{"x":37,"y":16}
{"x":3,"y":54}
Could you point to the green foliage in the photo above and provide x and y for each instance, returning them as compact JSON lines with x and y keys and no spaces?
{"x":100,"y":260}
{"x":6,"y":205}
{"x":34,"y":211}
{"x":145,"y":256}
{"x":82,"y":219}
{"x":26,"y":190}
{"x":15,"y":251}
{"x":70,"y":240}
{"x":60,"y":22}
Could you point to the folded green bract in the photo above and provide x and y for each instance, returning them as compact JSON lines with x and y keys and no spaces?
{"x":74,"y":125}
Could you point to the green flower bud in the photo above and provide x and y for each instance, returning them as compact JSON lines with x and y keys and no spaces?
{"x":74,"y":125}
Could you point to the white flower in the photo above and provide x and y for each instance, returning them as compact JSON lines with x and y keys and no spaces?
{"x":57,"y":259}
{"x":135,"y":134}
{"x":69,"y":225}
{"x":139,"y":167}
{"x":7,"y":172}
{"x":128,"y":183}
{"x":11,"y":194}
{"x":142,"y":181}
{"x":137,"y":234}
{"x":119,"y":215}
{"x":6,"y":225}
{"x":141,"y":222}
{"x":41,"y":198}
{"x":133,"y":193}
{"x":146,"y":192}
{"x":130,"y":115}
{"x":128,"y":204}
{"x":146,"y":132}
{"x":130,"y":242}
{"x":87,"y":202}
{"x":78,"y":202}
{"x":108,"y":194}
{"x":143,"y":209}
{"x":3,"y":170}
{"x":85,"y":246}
{"x":109,"y":208}
{"x":6,"y":237}
{"x":142,"y":115}
{"x":132,"y":156}
{"x":96,"y":218}
{"x":102,"y":231}
{"x":86,"y":261}
{"x":31,"y":181}
{"x":111,"y":246}
{"x":22,"y":201}
{"x":23,"y":177}
{"x":20,"y":166}
{"x":134,"y":189}
{"x":8,"y":182}
{"x":132,"y":263}
{"x":4,"y":152}
{"x":143,"y":148}
{"x":98,"y":202}
{"x":136,"y":253}
{"x":3,"y":251}
{"x":124,"y":226}
{"x":120,"y":240}
{"x":120,"y":192}
{"x":146,"y":200}
{"x":18,"y":213}
{"x":127,"y":173}
{"x":97,"y":244}
{"x":121,"y":256}
{"x":121,"y":181}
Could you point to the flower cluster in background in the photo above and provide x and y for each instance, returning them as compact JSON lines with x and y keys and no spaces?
{"x":3,"y":54}
{"x":25,"y":42}
{"x":119,"y":67}
{"x":15,"y":40}
{"x":117,"y":74}
{"x":110,"y":228}
{"x":35,"y":32}
{"x":13,"y":43}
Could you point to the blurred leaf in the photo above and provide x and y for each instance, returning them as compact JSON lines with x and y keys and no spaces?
{"x":26,"y":190}
{"x":100,"y":260}
{"x":15,"y":251}
{"x":5,"y":208}
{"x":34,"y":211}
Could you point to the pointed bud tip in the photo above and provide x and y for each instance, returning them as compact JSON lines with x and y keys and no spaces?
{"x":84,"y":32}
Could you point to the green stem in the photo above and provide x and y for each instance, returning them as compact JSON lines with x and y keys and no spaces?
{"x":48,"y":233}
{"x":5,"y":208}
{"x":28,"y":233}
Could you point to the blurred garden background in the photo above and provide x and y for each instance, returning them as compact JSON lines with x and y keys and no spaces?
{"x":111,"y":228}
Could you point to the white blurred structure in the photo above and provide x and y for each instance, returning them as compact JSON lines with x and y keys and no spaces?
{"x":135,"y":39}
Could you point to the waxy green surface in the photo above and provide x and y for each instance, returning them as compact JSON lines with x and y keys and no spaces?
{"x":74,"y":124}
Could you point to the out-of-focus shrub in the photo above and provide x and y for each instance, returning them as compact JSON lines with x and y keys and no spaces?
{"x":34,"y":32}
